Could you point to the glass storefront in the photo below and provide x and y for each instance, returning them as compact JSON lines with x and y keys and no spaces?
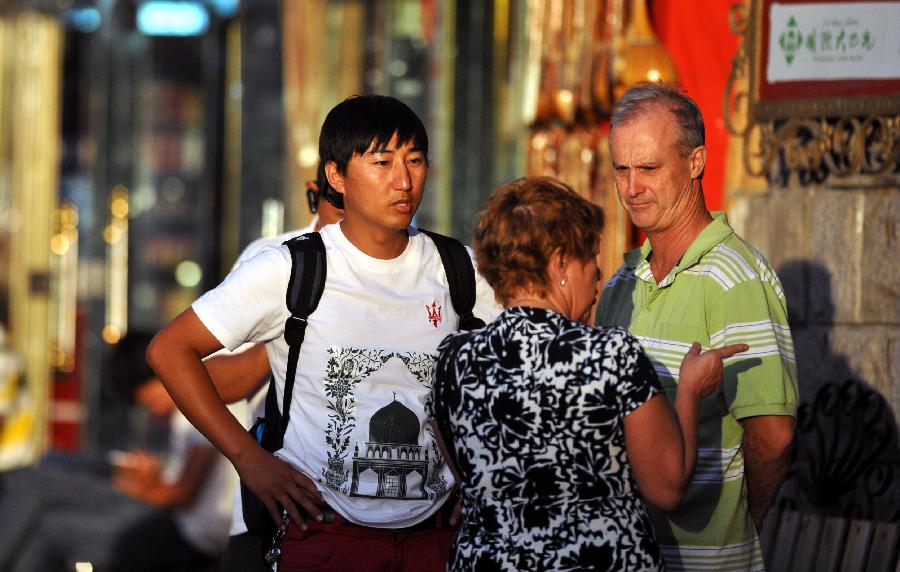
{"x":167,"y":141}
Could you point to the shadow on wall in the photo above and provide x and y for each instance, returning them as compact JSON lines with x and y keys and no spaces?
{"x":846,"y":456}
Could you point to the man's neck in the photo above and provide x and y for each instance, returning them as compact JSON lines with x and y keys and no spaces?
{"x":670,"y":244}
{"x":384,"y":244}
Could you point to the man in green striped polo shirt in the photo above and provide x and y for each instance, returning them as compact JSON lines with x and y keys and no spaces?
{"x":694,"y":279}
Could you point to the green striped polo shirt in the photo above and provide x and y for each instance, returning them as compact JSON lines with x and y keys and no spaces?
{"x":722,"y":291}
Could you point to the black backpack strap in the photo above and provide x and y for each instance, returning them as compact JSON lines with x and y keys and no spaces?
{"x":304,"y":290}
{"x":303,"y":294}
{"x":460,"y":278}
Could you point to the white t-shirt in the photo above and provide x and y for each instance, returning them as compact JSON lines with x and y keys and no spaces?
{"x":256,"y":404}
{"x":254,"y":247}
{"x":205,"y":522}
{"x":358,"y":425}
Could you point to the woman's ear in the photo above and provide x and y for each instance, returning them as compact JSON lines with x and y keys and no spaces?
{"x":556,"y":266}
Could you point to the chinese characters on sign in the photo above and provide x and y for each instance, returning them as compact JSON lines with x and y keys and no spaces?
{"x":834,"y":41}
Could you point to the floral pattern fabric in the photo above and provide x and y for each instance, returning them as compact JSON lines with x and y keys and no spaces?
{"x":532,"y":409}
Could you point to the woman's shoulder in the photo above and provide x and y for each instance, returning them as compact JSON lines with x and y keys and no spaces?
{"x":615,"y":341}
{"x":601,"y":335}
{"x":614,"y":335}
{"x":453,"y":342}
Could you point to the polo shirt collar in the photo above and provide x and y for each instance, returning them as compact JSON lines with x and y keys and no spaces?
{"x":714,"y":233}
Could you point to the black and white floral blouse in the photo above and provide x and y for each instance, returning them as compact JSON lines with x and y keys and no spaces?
{"x":532,"y":408}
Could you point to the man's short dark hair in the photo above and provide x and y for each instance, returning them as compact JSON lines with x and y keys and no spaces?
{"x":353,"y":125}
{"x":687,"y":114}
{"x":127,"y":367}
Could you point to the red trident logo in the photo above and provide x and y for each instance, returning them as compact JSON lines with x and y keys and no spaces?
{"x":434,"y":313}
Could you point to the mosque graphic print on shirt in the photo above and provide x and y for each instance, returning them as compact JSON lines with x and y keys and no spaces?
{"x":378,"y":454}
{"x":392,"y":464}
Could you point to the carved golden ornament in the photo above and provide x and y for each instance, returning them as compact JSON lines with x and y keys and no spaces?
{"x":567,"y":61}
{"x":642,"y":56}
{"x":856,"y":143}
{"x":735,"y":98}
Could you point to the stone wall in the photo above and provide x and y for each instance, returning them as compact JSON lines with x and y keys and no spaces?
{"x":837,"y":253}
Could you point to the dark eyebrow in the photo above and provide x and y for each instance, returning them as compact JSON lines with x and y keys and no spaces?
{"x":385,"y":149}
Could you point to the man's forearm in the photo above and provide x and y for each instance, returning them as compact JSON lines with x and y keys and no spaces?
{"x":763,"y":481}
{"x":767,"y":449}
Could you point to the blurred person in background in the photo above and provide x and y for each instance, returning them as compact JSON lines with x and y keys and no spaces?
{"x":557,"y":428}
{"x":230,"y":372}
{"x":151,"y":514}
{"x":16,"y":412}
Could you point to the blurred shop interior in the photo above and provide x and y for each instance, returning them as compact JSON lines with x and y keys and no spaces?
{"x":144,"y":143}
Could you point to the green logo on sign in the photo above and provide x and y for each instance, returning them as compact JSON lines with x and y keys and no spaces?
{"x":791,"y":40}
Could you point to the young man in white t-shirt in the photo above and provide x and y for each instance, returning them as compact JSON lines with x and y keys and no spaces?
{"x":360,"y":473}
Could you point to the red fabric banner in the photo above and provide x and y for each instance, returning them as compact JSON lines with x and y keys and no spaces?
{"x":697,"y":35}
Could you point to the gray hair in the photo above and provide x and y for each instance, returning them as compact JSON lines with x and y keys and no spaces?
{"x":687,"y":115}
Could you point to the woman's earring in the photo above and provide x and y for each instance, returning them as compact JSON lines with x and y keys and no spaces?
{"x":562,"y":282}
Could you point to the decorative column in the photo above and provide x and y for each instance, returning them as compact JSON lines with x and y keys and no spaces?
{"x":31,"y":58}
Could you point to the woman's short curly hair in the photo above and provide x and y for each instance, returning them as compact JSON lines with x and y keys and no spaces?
{"x":521,"y":225}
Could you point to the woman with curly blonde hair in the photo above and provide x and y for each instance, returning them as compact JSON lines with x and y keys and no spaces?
{"x":558,"y":429}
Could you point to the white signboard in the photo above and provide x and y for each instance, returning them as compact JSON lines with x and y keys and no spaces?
{"x":840,"y":41}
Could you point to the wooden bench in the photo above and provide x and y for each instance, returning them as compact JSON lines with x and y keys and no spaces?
{"x":839,"y":508}
{"x":804,"y":542}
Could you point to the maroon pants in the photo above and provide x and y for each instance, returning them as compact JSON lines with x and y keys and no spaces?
{"x":345,"y":546}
